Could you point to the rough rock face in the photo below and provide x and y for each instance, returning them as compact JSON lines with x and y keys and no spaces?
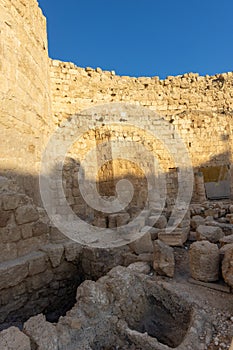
{"x":42,"y":333}
{"x":204,"y":261}
{"x":212,"y":233}
{"x":13,"y":339}
{"x":227,"y":267}
{"x":164,"y":263}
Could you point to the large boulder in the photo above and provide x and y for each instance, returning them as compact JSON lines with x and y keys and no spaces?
{"x":204,"y":261}
{"x":227,"y":266}
{"x":210,"y":233}
{"x":164,"y":262}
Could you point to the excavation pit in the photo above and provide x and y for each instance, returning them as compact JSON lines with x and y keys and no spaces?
{"x":168,"y":325}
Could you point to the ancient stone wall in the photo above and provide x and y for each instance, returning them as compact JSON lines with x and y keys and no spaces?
{"x":24,"y":90}
{"x":199,"y":108}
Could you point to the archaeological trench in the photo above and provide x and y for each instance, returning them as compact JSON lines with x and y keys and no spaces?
{"x":157,"y":273}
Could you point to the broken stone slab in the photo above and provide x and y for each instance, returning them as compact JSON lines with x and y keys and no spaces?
{"x":196,"y":221}
{"x":227,"y":267}
{"x":13,"y":339}
{"x":163,"y":260}
{"x":176,"y":238}
{"x":211,"y":233}
{"x":42,"y":333}
{"x":204,"y":261}
{"x":142,"y":245}
{"x":26,"y":213}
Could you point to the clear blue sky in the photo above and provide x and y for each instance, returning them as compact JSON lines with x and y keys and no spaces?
{"x":142,"y":37}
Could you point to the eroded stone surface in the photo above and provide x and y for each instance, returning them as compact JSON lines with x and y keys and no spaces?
{"x":13,"y":339}
{"x":204,"y":261}
{"x":211,"y":233}
{"x":164,"y":262}
{"x":227,"y":267}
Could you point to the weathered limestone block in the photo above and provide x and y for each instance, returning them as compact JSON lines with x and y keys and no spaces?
{"x":204,"y":261}
{"x":11,"y":201}
{"x":211,"y":233}
{"x":31,"y":244}
{"x":13,"y":272}
{"x":56,"y":235}
{"x":160,"y":223}
{"x":196,"y":221}
{"x":230,"y":218}
{"x":227,"y":267}
{"x":8,"y":251}
{"x":142,"y":245}
{"x":37,"y":263}
{"x":223,"y":250}
{"x":13,"y":339}
{"x":122,"y":219}
{"x":10,"y":233}
{"x":140,"y":266}
{"x":55,"y":252}
{"x":73,"y":250}
{"x":43,"y":333}
{"x":153,"y":231}
{"x":226,"y":240}
{"x":4,"y":217}
{"x":176,"y":238}
{"x":164,"y":262}
{"x":26,"y":213}
{"x":40,"y":228}
{"x":26,"y":230}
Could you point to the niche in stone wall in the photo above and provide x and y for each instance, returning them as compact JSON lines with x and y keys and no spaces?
{"x":216,"y":181}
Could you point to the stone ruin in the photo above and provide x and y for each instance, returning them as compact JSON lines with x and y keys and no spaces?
{"x":162,"y":290}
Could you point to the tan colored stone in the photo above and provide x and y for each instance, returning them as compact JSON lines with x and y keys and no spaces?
{"x":163,"y":261}
{"x":204,"y":261}
{"x":176,"y":238}
{"x":13,"y":339}
{"x":196,"y":221}
{"x":142,"y":245}
{"x":25,"y":214}
{"x":227,"y":267}
{"x":140,"y":266}
{"x":226,"y":240}
{"x":211,"y":233}
{"x":54,"y":252}
{"x":37,"y":263}
{"x":13,"y":272}
{"x":42,"y":333}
